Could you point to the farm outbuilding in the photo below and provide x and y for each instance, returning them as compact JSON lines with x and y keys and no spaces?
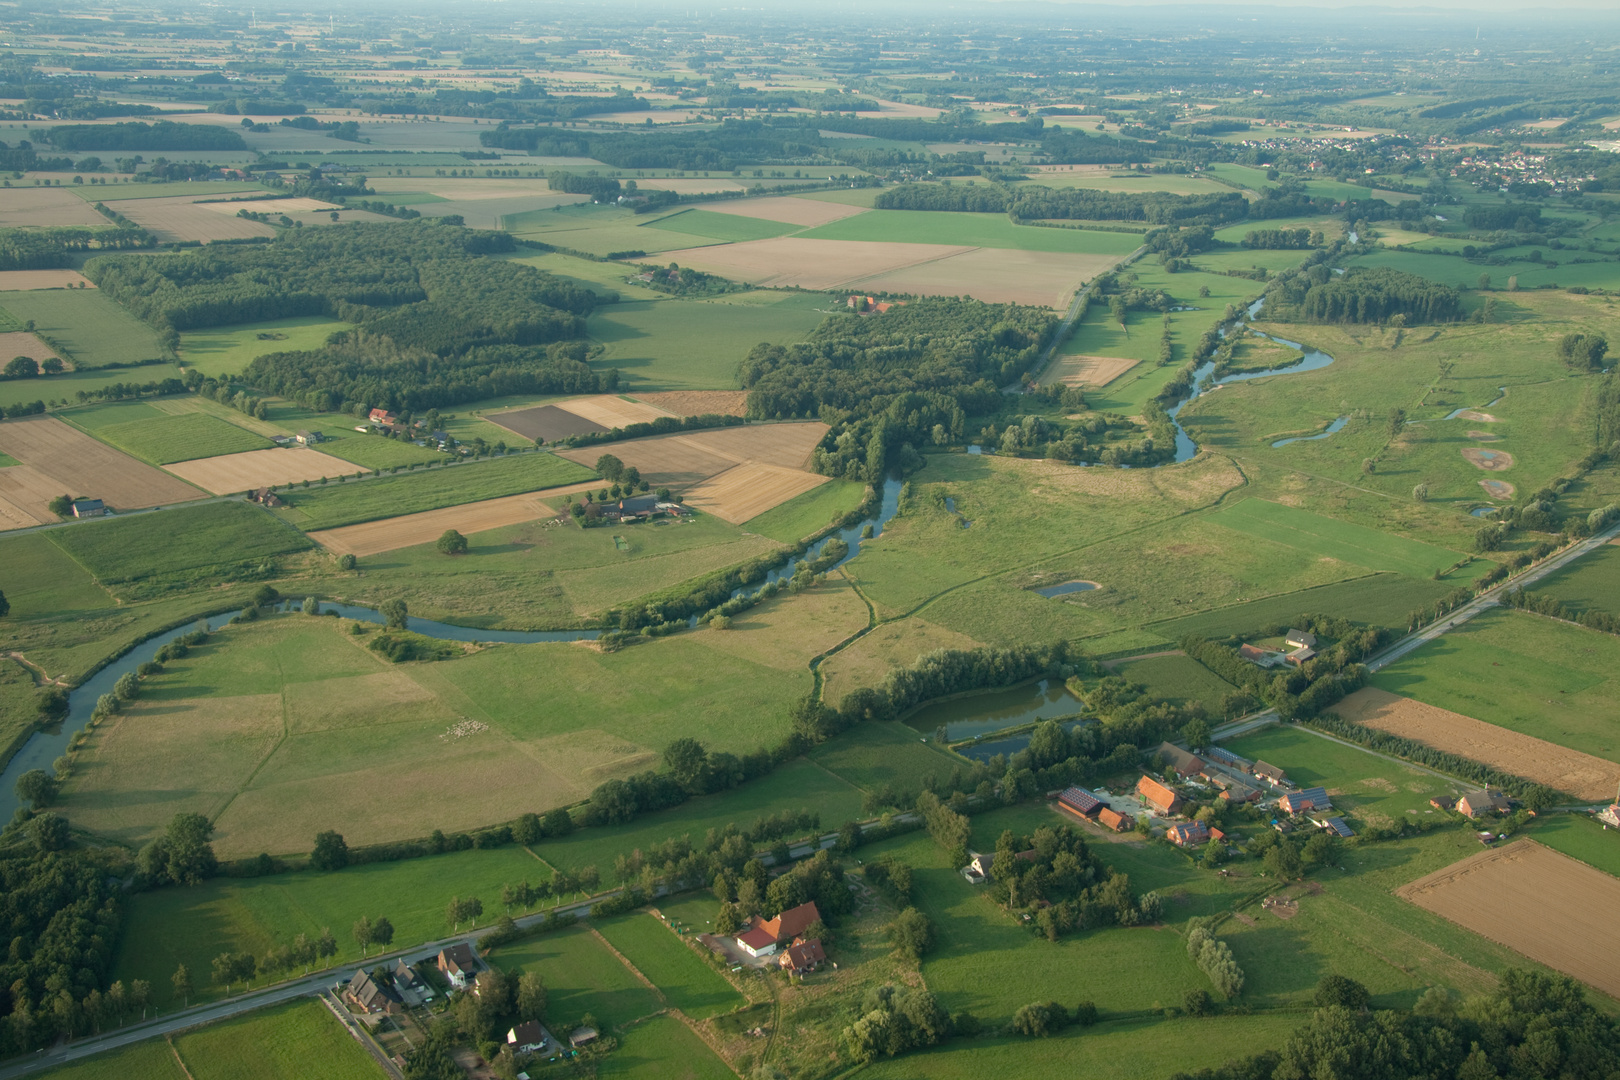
{"x":1187,"y":764}
{"x":1158,"y":796}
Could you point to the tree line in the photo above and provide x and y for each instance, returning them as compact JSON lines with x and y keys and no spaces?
{"x":163,"y":135}
{"x":1362,"y":294}
{"x":53,"y":248}
{"x":1036,"y":202}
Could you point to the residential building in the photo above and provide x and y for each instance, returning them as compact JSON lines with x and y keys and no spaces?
{"x":1180,"y":760}
{"x":977,"y":871}
{"x":765,"y":935}
{"x":1297,"y":802}
{"x":1488,"y":801}
{"x":528,"y":1037}
{"x":459,"y":964}
{"x":383,"y":416}
{"x":1192,"y":834}
{"x":1300,"y":639}
{"x":1269,"y":772}
{"x":410,"y":986}
{"x":1443,"y":802}
{"x":88,"y":508}
{"x":1239,"y":793}
{"x":1610,"y":815}
{"x":804,"y":955}
{"x":365,"y":995}
{"x":1158,"y":796}
{"x":1299,"y":656}
{"x":266,"y":497}
{"x":308,"y":438}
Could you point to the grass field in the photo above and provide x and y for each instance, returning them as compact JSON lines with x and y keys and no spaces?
{"x":299,"y":1039}
{"x":971,"y":230}
{"x":149,"y":1060}
{"x":376,"y":452}
{"x":581,"y":977}
{"x":727,"y":227}
{"x":1378,"y":600}
{"x":174,"y":542}
{"x":93,"y":418}
{"x":698,"y":344}
{"x":1591,"y":582}
{"x":1524,"y":672}
{"x":663,"y":1049}
{"x":328,"y":507}
{"x":1580,"y":837}
{"x":226,"y":350}
{"x":809,"y":513}
{"x":680,"y":974}
{"x":43,"y":581}
{"x":595,"y":230}
{"x":69,"y":383}
{"x":1340,"y":539}
{"x":90,"y":329}
{"x":1178,"y":678}
{"x":168,"y":927}
{"x":875,"y":755}
{"x":184,"y":437}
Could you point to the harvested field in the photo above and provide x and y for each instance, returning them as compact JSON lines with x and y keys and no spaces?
{"x":746,"y":491}
{"x":1494,"y":460}
{"x":699,"y":402}
{"x":82,"y":466}
{"x":28,"y":280}
{"x":1498,"y":489}
{"x":544,"y":423}
{"x":1582,"y":775}
{"x":25,"y":496}
{"x":45,"y":207}
{"x":184,"y":219}
{"x":668,"y":459}
{"x":786,"y":445}
{"x":1090,"y":370}
{"x":230,"y":473}
{"x":229,"y":207}
{"x":389,"y":534}
{"x":809,"y":264}
{"x":996,"y":276}
{"x":1536,"y":901}
{"x":25,"y":344}
{"x":1475,"y":414}
{"x":612,"y":411}
{"x":785,"y":208}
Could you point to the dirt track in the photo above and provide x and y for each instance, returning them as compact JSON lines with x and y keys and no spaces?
{"x":390,"y":534}
{"x":1535,"y":901}
{"x":1582,"y":775}
{"x":83,"y":467}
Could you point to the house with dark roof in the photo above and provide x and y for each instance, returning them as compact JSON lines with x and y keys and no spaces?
{"x":265,"y":497}
{"x":1297,"y":802}
{"x":1080,"y":801}
{"x":1300,"y":639}
{"x":1336,"y":826}
{"x":410,"y":986}
{"x":1158,"y":796}
{"x":459,"y":964}
{"x":1488,"y":801}
{"x":977,"y":871}
{"x":88,"y":508}
{"x":764,"y":936}
{"x":365,"y":995}
{"x":804,"y":955}
{"x":1269,"y":772}
{"x":1299,"y":656}
{"x":1180,"y":760}
{"x":1238,"y":792}
{"x":529,"y":1037}
{"x":1219,"y":756}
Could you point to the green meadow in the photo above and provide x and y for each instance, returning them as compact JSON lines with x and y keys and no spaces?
{"x":581,"y":977}
{"x":377,"y":452}
{"x":727,"y":227}
{"x":876,"y":755}
{"x":175,"y":542}
{"x":973,"y":230}
{"x":681,"y":975}
{"x":299,"y":1039}
{"x":1377,"y":600}
{"x":663,"y":1048}
{"x":1178,"y":678}
{"x":1591,"y":582}
{"x":1531,"y":674}
{"x":597,"y":230}
{"x":804,"y":515}
{"x":181,"y":437}
{"x":227,"y":350}
{"x":92,"y":331}
{"x":1334,"y":539}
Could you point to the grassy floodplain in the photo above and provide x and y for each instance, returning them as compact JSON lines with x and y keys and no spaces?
{"x":804,"y":515}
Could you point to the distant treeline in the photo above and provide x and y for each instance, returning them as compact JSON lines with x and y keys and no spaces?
{"x":528,"y":102}
{"x":1043,"y":202}
{"x":163,"y":135}
{"x":49,"y":249}
{"x":887,"y":382}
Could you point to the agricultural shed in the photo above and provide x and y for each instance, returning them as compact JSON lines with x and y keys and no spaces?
{"x":1080,"y":801}
{"x":1159,"y":796}
{"x":581,"y":1036}
{"x":87,"y":508}
{"x":1115,"y":820}
{"x":1185,"y":763}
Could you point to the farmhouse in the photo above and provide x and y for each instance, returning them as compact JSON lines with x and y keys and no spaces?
{"x":641,"y":508}
{"x":1488,"y":801}
{"x":1113,"y":819}
{"x":1192,"y":834}
{"x":1238,"y":792}
{"x":1270,"y":772}
{"x":765,"y":936}
{"x":1610,"y":815}
{"x":1080,"y":801}
{"x":1300,"y":639}
{"x":978,"y":870}
{"x":1180,"y":760}
{"x":87,"y":508}
{"x":459,"y":964}
{"x":308,"y":438}
{"x":266,"y":497}
{"x":1158,"y":796}
{"x":383,"y":416}
{"x":366,"y":996}
{"x":528,"y":1037}
{"x":1443,"y":802}
{"x":803,"y":956}
{"x":1297,"y":802}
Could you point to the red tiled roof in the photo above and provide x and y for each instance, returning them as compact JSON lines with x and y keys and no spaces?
{"x":791,"y":923}
{"x":1157,"y":794}
{"x":757,"y":938}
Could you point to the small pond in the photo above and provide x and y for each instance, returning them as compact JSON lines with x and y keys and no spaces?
{"x":996,"y":710}
{"x":1066,"y":588}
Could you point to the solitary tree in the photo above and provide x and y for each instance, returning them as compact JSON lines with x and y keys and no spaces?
{"x":382,"y":931}
{"x":609,"y":467}
{"x":36,"y":787}
{"x":452,"y":543}
{"x":395,"y":612}
{"x":363,"y":934}
{"x":62,"y":506}
{"x":5,"y":606}
{"x":311,"y":606}
{"x":326,"y":944}
{"x":181,"y":981}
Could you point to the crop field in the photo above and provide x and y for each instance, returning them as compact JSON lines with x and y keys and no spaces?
{"x":25,"y":280}
{"x":191,"y":538}
{"x":226,"y":350}
{"x":1338,"y":539}
{"x":599,"y":277}
{"x":1586,"y":777}
{"x":680,"y":974}
{"x":725,"y":227}
{"x":804,"y":515}
{"x":373,"y":451}
{"x":581,"y":977}
{"x":1077,"y":370}
{"x":1536,"y":901}
{"x":197,"y":188}
{"x":805,"y":213}
{"x":612,"y":411}
{"x":998,"y":276}
{"x":1542,"y":678}
{"x":84,"y":467}
{"x":408,"y":530}
{"x":545,"y":423}
{"x":973,"y":230}
{"x":395,"y":496}
{"x":595,"y":230}
{"x":1178,"y":678}
{"x":690,"y":459}
{"x":25,"y":497}
{"x":811,"y":262}
{"x":253,"y":914}
{"x":1377,"y":600}
{"x":1580,"y":836}
{"x":256,"y":468}
{"x":1591,"y":582}
{"x":698,"y":344}
{"x":45,"y":208}
{"x":746,"y":491}
{"x":92,"y":330}
{"x":698,"y":402}
{"x":1128,"y":182}
{"x":163,"y":440}
{"x":181,"y":218}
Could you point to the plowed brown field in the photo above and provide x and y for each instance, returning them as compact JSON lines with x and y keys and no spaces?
{"x":785,"y":208}
{"x":374,"y":537}
{"x":996,"y":276}
{"x":1581,"y":775}
{"x":21,"y":343}
{"x":1089,"y":370}
{"x":81,"y":466}
{"x":1536,"y":901}
{"x":746,"y":491}
{"x":809,"y":264}
{"x":230,"y":473}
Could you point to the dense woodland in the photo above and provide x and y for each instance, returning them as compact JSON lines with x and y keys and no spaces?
{"x":1035,"y":202}
{"x":53,"y":248}
{"x":163,"y":135}
{"x":1362,"y":294}
{"x":885,"y":381}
